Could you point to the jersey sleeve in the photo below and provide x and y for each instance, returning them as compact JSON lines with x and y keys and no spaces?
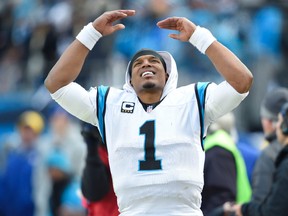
{"x":78,"y":101}
{"x":221,"y":99}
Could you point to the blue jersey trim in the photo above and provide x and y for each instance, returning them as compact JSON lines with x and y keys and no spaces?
{"x":200,"y":91}
{"x":102,"y":92}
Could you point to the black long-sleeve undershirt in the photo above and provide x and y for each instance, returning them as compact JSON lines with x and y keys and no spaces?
{"x":95,"y":180}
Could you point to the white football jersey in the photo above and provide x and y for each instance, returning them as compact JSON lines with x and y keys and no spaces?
{"x":160,"y":146}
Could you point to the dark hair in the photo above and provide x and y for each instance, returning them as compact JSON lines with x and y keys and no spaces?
{"x":145,"y":52}
{"x":272,"y":103}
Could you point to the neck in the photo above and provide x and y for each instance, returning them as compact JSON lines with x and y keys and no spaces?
{"x":149,"y":97}
{"x":270,"y":137}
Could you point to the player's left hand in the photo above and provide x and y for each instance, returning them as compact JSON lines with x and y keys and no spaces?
{"x":181,"y":24}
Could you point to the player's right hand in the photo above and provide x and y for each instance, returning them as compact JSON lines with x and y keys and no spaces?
{"x":105,"y":23}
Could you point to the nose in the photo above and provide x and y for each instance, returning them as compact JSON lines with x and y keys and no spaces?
{"x":146,"y":63}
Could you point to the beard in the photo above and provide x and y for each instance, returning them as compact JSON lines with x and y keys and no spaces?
{"x":148,"y":85}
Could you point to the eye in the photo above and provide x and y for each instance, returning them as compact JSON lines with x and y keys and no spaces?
{"x":136,"y":64}
{"x":155,"y":61}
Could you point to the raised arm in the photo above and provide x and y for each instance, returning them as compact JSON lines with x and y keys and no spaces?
{"x":226,"y":63}
{"x":71,"y":62}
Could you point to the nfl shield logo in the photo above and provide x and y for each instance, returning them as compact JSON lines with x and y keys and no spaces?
{"x":149,"y":109}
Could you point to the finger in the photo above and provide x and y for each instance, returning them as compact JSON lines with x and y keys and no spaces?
{"x":128,"y":12}
{"x":174,"y":36}
{"x":169,"y":27}
{"x":162,"y":22}
{"x":118,"y":27}
{"x":169,"y":23}
{"x":116,"y":15}
{"x":121,"y":14}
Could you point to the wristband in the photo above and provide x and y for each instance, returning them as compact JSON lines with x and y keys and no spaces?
{"x":89,"y":36}
{"x":202,"y":38}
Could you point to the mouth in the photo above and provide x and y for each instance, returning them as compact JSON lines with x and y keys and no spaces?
{"x":147,"y":73}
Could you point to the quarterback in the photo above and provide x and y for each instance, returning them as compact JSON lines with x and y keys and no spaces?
{"x":153,"y":130}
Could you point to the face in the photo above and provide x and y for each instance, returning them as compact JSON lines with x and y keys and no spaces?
{"x":56,"y":174}
{"x":148,"y":74}
{"x":268,"y":126}
{"x":28,"y":136}
{"x":280,"y":136}
{"x":59,"y":123}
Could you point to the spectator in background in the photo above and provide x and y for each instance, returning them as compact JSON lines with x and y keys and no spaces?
{"x":10,"y":70}
{"x":96,"y":182}
{"x":275,"y":202}
{"x":65,"y":199}
{"x":250,"y":154}
{"x":225,"y":176}
{"x":23,"y":180}
{"x":265,"y":165}
{"x":63,"y":135}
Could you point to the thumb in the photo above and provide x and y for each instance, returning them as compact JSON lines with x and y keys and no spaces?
{"x":118,"y":27}
{"x":174,"y":36}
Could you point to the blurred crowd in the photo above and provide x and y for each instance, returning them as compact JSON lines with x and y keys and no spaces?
{"x":34,"y":33}
{"x":40,"y":172}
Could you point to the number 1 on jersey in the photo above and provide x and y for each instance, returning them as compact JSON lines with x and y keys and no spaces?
{"x":149,"y":162}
